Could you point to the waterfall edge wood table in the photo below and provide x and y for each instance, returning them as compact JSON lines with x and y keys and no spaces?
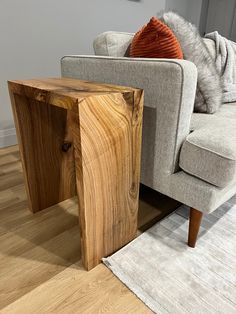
{"x":82,"y":138}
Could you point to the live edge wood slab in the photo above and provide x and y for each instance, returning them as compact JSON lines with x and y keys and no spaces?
{"x":83,"y":138}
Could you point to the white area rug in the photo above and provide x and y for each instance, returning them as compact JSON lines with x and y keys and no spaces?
{"x":170,"y":277}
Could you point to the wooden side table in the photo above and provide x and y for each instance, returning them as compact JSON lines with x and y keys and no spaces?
{"x":83,"y":138}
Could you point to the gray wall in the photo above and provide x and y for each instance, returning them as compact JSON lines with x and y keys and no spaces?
{"x":233,"y":28}
{"x":203,"y":17}
{"x":222,"y":17}
{"x":34,"y":35}
{"x":190,"y":9}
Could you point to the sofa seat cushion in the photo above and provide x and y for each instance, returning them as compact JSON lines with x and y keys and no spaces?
{"x":209,"y":153}
{"x":226,"y":111}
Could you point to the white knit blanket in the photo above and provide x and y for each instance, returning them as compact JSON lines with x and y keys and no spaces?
{"x":226,"y":64}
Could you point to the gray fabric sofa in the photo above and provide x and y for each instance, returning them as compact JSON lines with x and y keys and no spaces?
{"x":188,"y":156}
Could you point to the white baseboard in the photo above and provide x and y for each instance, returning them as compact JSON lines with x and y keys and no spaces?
{"x":8,"y":137}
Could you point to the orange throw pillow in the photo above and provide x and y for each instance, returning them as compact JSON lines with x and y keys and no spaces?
{"x":155,"y":40}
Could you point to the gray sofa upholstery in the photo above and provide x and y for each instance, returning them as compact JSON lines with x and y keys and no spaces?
{"x":188,"y":156}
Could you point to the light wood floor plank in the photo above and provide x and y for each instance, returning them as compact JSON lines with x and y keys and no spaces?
{"x":10,"y":167}
{"x":12,"y":195}
{"x":9,"y":150}
{"x":6,"y":158}
{"x":97,"y":291}
{"x":37,"y":265}
{"x":11,"y":179}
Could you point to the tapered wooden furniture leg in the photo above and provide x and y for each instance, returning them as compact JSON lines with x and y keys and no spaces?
{"x":195,"y":219}
{"x":48,"y":169}
{"x":107,"y":152}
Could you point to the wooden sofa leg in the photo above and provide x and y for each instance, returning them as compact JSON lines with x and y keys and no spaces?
{"x":195,"y":219}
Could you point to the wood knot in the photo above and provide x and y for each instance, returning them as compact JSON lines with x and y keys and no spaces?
{"x":66,"y":146}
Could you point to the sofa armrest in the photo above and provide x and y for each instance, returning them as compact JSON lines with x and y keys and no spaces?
{"x":169,"y":92}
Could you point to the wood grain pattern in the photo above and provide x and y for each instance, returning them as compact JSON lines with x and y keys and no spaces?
{"x":49,"y":173}
{"x":103,"y":124}
{"x":107,"y":154}
{"x":66,"y":93}
{"x":99,"y":292}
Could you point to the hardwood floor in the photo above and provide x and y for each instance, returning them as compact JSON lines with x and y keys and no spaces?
{"x":40,"y":267}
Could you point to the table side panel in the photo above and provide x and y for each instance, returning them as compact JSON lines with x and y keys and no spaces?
{"x":107,"y":153}
{"x":41,"y":130}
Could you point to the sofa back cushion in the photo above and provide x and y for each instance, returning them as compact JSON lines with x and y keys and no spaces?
{"x":113,"y":44}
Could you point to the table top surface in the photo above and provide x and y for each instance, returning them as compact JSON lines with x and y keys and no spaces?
{"x":69,"y":87}
{"x":65,"y":92}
